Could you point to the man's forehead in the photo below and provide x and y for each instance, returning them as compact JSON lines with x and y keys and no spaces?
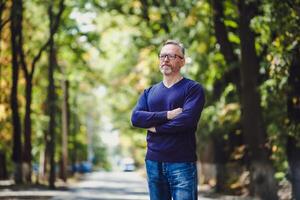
{"x":171,"y":47}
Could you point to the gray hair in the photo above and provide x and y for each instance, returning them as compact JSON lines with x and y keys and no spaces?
{"x":174,"y":42}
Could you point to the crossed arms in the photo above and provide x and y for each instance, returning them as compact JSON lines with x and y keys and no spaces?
{"x":170,"y":121}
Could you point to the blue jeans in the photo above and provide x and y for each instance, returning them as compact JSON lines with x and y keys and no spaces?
{"x":168,"y":180}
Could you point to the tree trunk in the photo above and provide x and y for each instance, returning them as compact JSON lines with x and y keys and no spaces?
{"x":27,"y":131}
{"x":233,"y":73}
{"x":28,"y":74}
{"x":207,"y":162}
{"x":220,"y":160}
{"x":65,"y":131}
{"x":45,"y":158}
{"x":293,"y":105}
{"x":293,"y":152}
{"x":16,"y":17}
{"x":51,"y":112}
{"x":53,"y":26}
{"x":262,"y":183}
{"x":75,"y":128}
{"x":27,"y":157}
{"x":221,"y":33}
{"x":3,"y":171}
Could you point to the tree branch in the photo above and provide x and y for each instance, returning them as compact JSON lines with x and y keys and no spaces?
{"x":145,"y":13}
{"x":222,"y":33}
{"x":293,"y":6}
{"x":20,"y":43}
{"x":53,"y":30}
{"x":226,"y":48}
{"x":4,"y":23}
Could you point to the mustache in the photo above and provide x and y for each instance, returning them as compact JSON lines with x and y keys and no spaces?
{"x":165,"y":65}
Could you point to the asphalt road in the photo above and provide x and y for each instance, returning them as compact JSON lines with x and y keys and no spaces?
{"x":111,"y":186}
{"x":98,"y":186}
{"x":108,"y":186}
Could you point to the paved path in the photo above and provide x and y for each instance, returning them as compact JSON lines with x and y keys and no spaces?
{"x":108,"y":186}
{"x":97,"y":186}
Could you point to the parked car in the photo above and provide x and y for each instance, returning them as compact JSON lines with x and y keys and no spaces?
{"x":82,"y":167}
{"x":127,"y":164}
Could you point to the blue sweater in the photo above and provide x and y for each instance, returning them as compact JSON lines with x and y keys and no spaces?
{"x":174,"y":140}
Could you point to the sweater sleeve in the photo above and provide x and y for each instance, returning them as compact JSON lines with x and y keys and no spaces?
{"x":141,"y":116}
{"x":188,"y":119}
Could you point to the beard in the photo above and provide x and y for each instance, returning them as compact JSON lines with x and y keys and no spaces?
{"x":166,"y":70}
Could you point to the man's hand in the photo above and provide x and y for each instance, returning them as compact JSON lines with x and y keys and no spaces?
{"x":170,"y":115}
{"x":174,"y":113}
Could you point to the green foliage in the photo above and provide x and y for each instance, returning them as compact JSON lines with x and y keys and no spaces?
{"x":221,"y":117}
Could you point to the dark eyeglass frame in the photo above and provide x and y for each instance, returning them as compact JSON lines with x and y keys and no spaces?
{"x":169,"y":56}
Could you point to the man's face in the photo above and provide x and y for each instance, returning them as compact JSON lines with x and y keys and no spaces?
{"x":171,"y":60}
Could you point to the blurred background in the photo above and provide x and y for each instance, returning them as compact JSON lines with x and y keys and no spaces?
{"x":71,"y":72}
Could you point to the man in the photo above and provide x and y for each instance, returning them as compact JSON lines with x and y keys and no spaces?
{"x":170,"y":111}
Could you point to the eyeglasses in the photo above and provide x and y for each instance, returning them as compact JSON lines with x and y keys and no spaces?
{"x":169,"y":56}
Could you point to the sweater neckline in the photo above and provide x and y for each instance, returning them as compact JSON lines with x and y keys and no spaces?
{"x":173,"y":84}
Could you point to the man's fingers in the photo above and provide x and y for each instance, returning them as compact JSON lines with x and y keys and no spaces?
{"x":178,"y":110}
{"x":174,"y":113}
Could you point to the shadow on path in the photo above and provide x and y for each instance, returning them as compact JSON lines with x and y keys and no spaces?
{"x":108,"y":186}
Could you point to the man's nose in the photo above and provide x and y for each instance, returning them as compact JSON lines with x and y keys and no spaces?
{"x":166,"y":58}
